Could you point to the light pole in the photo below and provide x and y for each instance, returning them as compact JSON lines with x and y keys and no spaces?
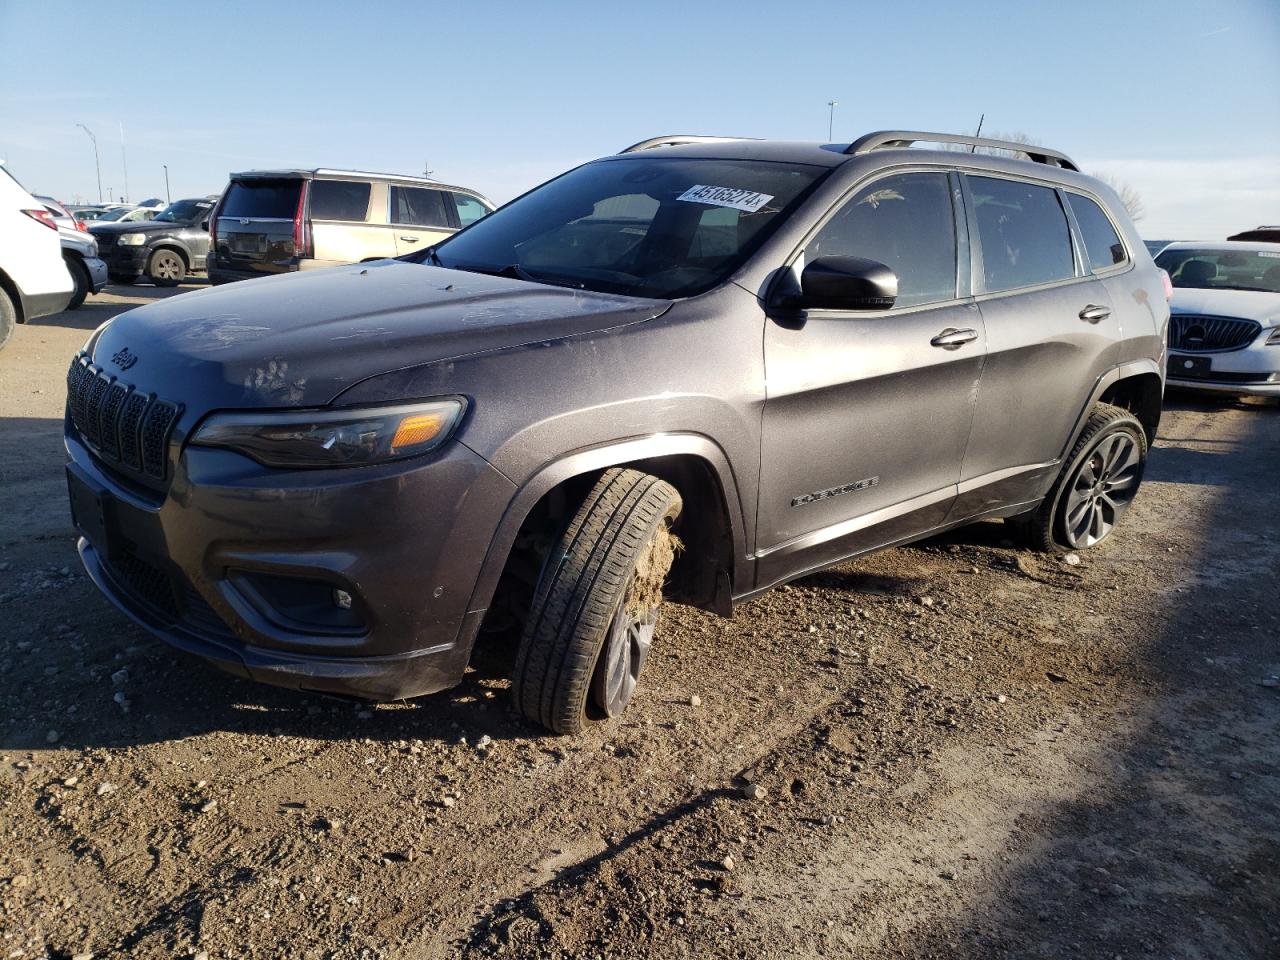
{"x":96,"y":166}
{"x":166,"y":183}
{"x":831,"y":117}
{"x":125,"y":162}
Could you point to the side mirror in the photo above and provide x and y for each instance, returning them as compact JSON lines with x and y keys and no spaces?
{"x":204,"y":225}
{"x":843,"y":283}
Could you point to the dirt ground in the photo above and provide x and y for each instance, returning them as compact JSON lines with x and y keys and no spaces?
{"x":965,"y":750}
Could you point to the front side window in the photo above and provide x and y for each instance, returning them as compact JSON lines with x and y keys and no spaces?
{"x":469,"y":209}
{"x":346,"y":200}
{"x":1024,"y":234}
{"x":1210,"y":269}
{"x":418,"y":206}
{"x":906,"y":223}
{"x":1101,"y":242}
{"x":640,"y":225}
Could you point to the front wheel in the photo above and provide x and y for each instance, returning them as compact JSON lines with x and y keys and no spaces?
{"x":1098,"y":483}
{"x":596,"y":606}
{"x":8,"y":318}
{"x":166,"y":268}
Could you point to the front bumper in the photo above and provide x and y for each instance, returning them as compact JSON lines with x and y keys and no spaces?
{"x":123,"y":261}
{"x":1251,"y":371}
{"x":406,"y":540}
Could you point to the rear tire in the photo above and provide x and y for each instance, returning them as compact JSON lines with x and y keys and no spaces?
{"x":166,"y":268}
{"x":8,"y":318}
{"x":1097,"y":483}
{"x":80,"y":274}
{"x":596,"y":605}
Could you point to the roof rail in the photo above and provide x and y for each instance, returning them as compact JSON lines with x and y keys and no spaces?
{"x":895,"y":139}
{"x":677,"y":140}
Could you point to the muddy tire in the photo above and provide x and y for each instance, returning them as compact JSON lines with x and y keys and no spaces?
{"x":166,"y":268}
{"x":8,"y":318}
{"x":596,"y":605}
{"x":80,"y":274}
{"x":1098,"y":482}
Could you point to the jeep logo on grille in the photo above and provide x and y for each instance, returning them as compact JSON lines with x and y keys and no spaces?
{"x":123,"y":359}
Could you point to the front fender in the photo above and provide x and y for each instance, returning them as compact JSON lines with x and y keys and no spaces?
{"x":598,"y":458}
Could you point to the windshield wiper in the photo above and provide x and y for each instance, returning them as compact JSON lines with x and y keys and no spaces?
{"x":515,"y":272}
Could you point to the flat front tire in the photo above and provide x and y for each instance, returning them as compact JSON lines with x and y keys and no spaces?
{"x":1098,"y":482}
{"x":596,"y":605}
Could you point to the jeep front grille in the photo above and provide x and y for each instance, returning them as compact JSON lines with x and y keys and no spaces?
{"x":121,"y":423}
{"x":1193,"y":334}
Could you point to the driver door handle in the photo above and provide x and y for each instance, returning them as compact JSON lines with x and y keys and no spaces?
{"x":951,"y":338}
{"x":1095,"y":313}
{"x":409,"y":239}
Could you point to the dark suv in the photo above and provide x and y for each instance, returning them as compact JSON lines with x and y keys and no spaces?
{"x":163,"y":250}
{"x":692,"y":371}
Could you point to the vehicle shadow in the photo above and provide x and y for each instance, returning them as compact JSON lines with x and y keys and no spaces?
{"x":114,"y":299}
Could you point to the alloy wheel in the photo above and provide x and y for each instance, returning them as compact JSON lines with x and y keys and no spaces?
{"x":625,"y":650}
{"x":1101,"y":489}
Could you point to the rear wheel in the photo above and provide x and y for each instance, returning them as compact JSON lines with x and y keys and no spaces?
{"x":80,"y":275}
{"x":1098,"y":482}
{"x":166,"y":268}
{"x":596,"y":606}
{"x":8,"y":318}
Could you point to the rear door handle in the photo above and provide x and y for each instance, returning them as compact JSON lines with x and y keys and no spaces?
{"x":951,"y":338}
{"x":1095,"y":313}
{"x":410,"y":239}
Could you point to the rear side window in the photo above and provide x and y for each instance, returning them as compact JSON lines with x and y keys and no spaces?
{"x":261,"y":199}
{"x":418,"y":206}
{"x":469,"y":209}
{"x":340,"y":200}
{"x":905,"y":222}
{"x":1024,"y":234}
{"x":1101,"y":242}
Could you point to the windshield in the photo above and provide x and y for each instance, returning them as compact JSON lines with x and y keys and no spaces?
{"x":110,"y":215}
{"x":182,"y":211}
{"x":642,"y":226}
{"x":1223,"y":269}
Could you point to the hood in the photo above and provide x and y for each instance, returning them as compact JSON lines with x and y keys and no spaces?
{"x":137,"y":226}
{"x":1247,"y":304}
{"x":300,"y":339}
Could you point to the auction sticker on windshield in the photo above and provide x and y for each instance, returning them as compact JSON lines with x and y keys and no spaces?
{"x":747,"y":200}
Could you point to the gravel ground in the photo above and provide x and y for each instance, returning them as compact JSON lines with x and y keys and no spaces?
{"x":954,"y":749}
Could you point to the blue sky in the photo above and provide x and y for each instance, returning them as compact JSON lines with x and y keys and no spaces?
{"x":1181,"y":100}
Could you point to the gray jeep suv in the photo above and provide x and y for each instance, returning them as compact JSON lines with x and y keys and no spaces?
{"x":691,"y":371}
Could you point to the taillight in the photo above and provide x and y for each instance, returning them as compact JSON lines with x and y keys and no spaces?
{"x":302,"y":229}
{"x":43,"y":216}
{"x":213,"y":223}
{"x":1168,"y":285}
{"x":80,"y":225}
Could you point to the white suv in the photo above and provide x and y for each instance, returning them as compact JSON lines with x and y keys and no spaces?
{"x":34,"y":281}
{"x":1224,"y":335}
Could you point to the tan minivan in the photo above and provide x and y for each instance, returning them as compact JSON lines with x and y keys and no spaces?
{"x":277,"y":221}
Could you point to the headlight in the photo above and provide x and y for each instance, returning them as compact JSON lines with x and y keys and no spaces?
{"x":334,"y":438}
{"x":132,"y":239}
{"x":1274,"y":339}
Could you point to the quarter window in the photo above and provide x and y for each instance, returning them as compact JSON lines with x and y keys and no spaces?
{"x":418,"y":206}
{"x":340,"y":200}
{"x":469,"y":209}
{"x":1024,"y":234}
{"x":1101,"y":241}
{"x":905,"y":222}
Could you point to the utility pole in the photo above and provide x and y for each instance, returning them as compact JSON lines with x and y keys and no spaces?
{"x":831,"y":117}
{"x":426,"y":169}
{"x":125,"y":161}
{"x":96,"y":165}
{"x":166,"y":183}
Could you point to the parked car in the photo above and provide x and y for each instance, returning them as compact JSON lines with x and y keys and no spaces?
{"x":1268,"y":234}
{"x":87,"y":213}
{"x":126,"y":215}
{"x":87,"y":269}
{"x":34,"y":281}
{"x":63,"y":217}
{"x":278,"y":221}
{"x":335,"y":480}
{"x":1224,"y":335}
{"x":163,"y":250}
